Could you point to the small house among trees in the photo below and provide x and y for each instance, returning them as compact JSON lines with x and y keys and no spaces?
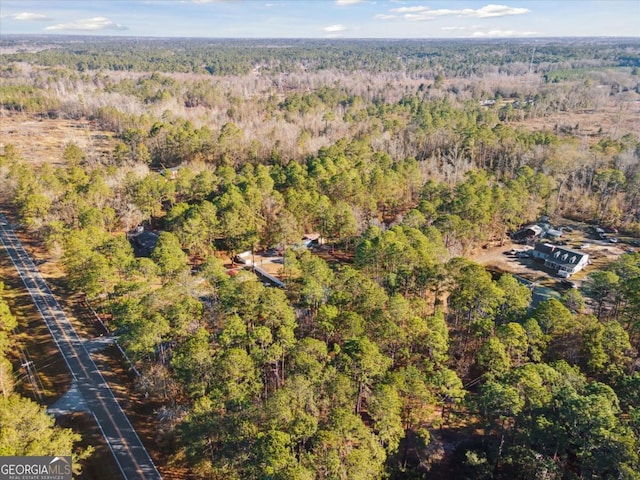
{"x":143,"y":242}
{"x":309,"y":239}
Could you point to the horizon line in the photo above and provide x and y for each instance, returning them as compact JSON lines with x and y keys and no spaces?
{"x":98,"y":36}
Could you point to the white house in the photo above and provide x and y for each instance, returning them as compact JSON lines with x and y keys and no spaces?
{"x":564,"y":261}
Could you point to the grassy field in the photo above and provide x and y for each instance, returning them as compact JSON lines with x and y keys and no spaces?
{"x":43,"y":140}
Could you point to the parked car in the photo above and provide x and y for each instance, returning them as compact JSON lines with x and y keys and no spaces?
{"x":613,"y":240}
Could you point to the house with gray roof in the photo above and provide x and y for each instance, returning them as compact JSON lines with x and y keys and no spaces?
{"x":564,"y":261}
{"x":143,"y":241}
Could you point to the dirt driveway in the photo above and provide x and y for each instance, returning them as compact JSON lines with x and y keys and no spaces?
{"x":495,"y":258}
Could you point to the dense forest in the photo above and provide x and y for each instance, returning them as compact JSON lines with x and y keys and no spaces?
{"x":388,"y":353}
{"x":242,"y":56}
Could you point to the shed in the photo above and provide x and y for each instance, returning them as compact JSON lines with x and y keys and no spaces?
{"x":530,"y":231}
{"x":312,"y":238}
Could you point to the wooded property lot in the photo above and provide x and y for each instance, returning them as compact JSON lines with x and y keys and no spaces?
{"x":366,"y":176}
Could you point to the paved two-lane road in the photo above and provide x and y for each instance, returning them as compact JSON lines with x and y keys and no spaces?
{"x":129,"y":452}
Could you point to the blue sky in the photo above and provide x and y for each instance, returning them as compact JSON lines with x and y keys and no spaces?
{"x":322,"y":18}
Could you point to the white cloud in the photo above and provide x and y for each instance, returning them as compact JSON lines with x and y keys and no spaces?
{"x":428,"y":14}
{"x":347,"y":2}
{"x":88,"y":24}
{"x":334,"y":28}
{"x":504,"y":33}
{"x":28,"y":16}
{"x":382,"y":16}
{"x":489,"y":11}
{"x":417,"y":17}
{"x":410,"y":9}
{"x":453,"y":28}
{"x":421,"y":13}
